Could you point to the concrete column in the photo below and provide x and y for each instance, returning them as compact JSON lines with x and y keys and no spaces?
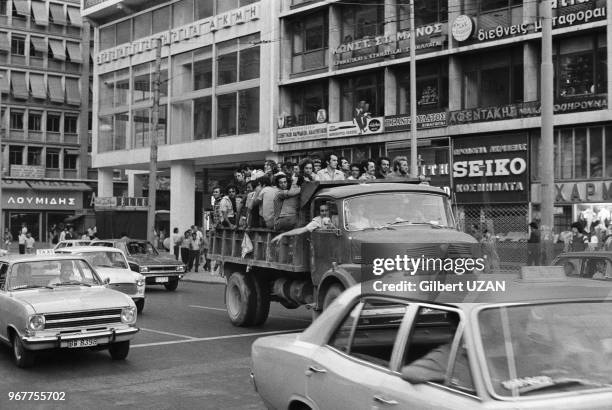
{"x":455,"y":83}
{"x":285,"y":49}
{"x":105,"y":182}
{"x":134,"y":184}
{"x":334,"y":100}
{"x":454,"y":11}
{"x":335,"y":34}
{"x":391,"y":15}
{"x":531,"y":68}
{"x":391,"y":88}
{"x":609,"y":54}
{"x":182,"y":195}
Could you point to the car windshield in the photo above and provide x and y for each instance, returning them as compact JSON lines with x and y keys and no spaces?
{"x":548,"y":348}
{"x":141,"y":248}
{"x":50,"y":273}
{"x":106,"y":259}
{"x":397,"y":208}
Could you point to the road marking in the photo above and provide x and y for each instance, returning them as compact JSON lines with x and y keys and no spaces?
{"x":206,"y":339}
{"x":207,"y":307}
{"x":168,"y":333}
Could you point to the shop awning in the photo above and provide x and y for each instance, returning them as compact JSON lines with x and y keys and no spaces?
{"x":37,"y":86}
{"x":75,"y":16}
{"x":57,"y":47}
{"x":74,"y":52}
{"x":14,"y":184}
{"x":56,"y":92}
{"x":73,"y":96}
{"x":22,"y":7}
{"x":57,"y":13}
{"x":74,"y":217}
{"x":5,"y":44}
{"x":58,"y":186}
{"x":18,"y":84}
{"x":40,"y":13}
{"x":39,"y":44}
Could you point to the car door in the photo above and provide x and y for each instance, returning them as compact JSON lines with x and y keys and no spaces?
{"x":344,"y":374}
{"x":4,"y":301}
{"x":453,"y":388}
{"x":571,"y":266}
{"x":325,"y":243}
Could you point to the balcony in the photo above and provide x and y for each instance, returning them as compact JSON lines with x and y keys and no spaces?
{"x":35,"y":136}
{"x":52,"y":173}
{"x":71,"y":174}
{"x":71,"y":138}
{"x":54,"y":136}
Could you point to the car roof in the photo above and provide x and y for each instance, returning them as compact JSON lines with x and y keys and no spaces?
{"x":118,"y":240}
{"x":14,"y":258}
{"x":88,"y":249}
{"x":582,"y":254}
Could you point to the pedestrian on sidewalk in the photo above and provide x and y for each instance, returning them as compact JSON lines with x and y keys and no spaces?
{"x":22,"y":242}
{"x":185,"y":245}
{"x":29,"y":243}
{"x":533,"y":245}
{"x":194,"y":252}
{"x":7,"y":239}
{"x":176,"y":242}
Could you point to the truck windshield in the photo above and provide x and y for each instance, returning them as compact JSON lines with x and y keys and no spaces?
{"x":396,"y":208}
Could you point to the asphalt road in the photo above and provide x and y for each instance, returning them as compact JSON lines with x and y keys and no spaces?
{"x":186,"y":356}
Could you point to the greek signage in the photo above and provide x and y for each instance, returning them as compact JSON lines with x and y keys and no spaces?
{"x":41,"y":200}
{"x":180,"y":34}
{"x":485,"y":171}
{"x":27,"y":171}
{"x":577,"y":192}
{"x":370,"y":125}
{"x":424,"y":121}
{"x":302,"y":133}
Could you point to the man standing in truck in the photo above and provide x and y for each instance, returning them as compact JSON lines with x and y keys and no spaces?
{"x":323,"y":221}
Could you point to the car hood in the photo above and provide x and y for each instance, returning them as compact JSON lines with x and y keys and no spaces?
{"x":154,"y":260}
{"x":117,"y":275}
{"x":69,"y":298}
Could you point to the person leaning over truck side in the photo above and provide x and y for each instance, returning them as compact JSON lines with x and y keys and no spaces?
{"x":286,"y":204}
{"x":323,"y":221}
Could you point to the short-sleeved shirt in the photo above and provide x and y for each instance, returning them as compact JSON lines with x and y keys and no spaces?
{"x":29,"y":242}
{"x":226,"y":207}
{"x":326,"y":175}
{"x":317,"y":223}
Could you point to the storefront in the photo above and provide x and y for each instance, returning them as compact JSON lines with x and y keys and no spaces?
{"x":42,"y":204}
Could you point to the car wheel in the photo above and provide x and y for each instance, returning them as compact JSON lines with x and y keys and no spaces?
{"x":140,"y":305}
{"x":23,"y":357}
{"x":119,"y":350}
{"x":172,"y":285}
{"x":332,"y":293}
{"x":240,"y":299}
{"x":262,"y":301}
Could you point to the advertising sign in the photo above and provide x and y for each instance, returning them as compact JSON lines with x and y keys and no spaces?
{"x":359,"y":126}
{"x":41,"y":200}
{"x":491,"y":169}
{"x":27,"y":171}
{"x":302,"y":133}
{"x":424,"y":121}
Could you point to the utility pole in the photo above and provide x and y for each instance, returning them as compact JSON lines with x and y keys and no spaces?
{"x":414,"y":170}
{"x":547,"y":146}
{"x":1,"y":166}
{"x":153,"y":155}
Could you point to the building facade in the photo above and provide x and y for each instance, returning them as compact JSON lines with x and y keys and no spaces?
{"x":218,"y":66}
{"x":344,"y":88}
{"x":44,"y":116}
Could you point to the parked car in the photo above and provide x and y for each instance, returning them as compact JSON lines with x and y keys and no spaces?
{"x":68,"y":243}
{"x":114,"y":269}
{"x":541,"y":344}
{"x":143,"y":258}
{"x":59,"y":301}
{"x":586,"y":264}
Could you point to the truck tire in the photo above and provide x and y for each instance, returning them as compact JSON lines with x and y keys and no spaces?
{"x":331,"y":294}
{"x":262,"y":301}
{"x":240,"y":299}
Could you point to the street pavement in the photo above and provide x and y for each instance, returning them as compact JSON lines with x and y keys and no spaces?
{"x":187,"y":355}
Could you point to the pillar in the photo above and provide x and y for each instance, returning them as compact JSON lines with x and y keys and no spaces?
{"x":391,"y":87}
{"x":182,"y":195}
{"x":531,"y":56}
{"x":134,"y":184}
{"x":455,"y":83}
{"x":105,"y":182}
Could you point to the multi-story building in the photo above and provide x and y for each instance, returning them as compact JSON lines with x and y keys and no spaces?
{"x":45,"y":106}
{"x":216,"y":111}
{"x":344,"y":87}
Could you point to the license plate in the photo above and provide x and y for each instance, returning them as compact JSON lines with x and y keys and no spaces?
{"x":82,"y":343}
{"x":162,"y":279}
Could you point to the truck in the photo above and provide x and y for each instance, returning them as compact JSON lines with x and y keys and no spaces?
{"x":313,"y":268}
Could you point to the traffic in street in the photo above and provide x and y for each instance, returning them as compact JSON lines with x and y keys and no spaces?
{"x":186,"y":355}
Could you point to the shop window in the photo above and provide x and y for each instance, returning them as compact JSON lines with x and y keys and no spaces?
{"x":182,"y":13}
{"x":203,"y":9}
{"x":70,"y":124}
{"x":248,"y":111}
{"x":202,"y":118}
{"x":34,"y":121}
{"x":362,"y":21}
{"x":580,"y":65}
{"x":34,"y":156}
{"x":310,"y":39}
{"x":123,"y":32}
{"x":15,"y":155}
{"x":16,"y":120}
{"x":161,"y":19}
{"x":596,"y":151}
{"x":70,"y":160}
{"x":17,"y":45}
{"x":364,"y":92}
{"x":142,"y":26}
{"x":306,"y":101}
{"x":53,"y":122}
{"x":226,"y":115}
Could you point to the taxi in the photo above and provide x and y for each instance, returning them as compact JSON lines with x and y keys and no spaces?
{"x":52,"y":301}
{"x":114,"y":269}
{"x":545,"y":342}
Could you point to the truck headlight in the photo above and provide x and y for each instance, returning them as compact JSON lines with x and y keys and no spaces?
{"x":140,"y":283}
{"x":36,"y":322}
{"x":144,"y":269}
{"x":128,"y":315}
{"x":180,"y":268}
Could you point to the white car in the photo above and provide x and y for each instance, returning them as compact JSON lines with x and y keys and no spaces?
{"x":112,"y":266}
{"x":68,"y":243}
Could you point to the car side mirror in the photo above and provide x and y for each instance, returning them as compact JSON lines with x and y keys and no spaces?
{"x":419,"y":375}
{"x":106,"y":281}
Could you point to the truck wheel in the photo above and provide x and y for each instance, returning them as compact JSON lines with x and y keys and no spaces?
{"x":240,"y":299}
{"x":171,"y":285}
{"x":22,"y":357}
{"x":262,"y":301}
{"x":119,"y":350}
{"x":332,"y":293}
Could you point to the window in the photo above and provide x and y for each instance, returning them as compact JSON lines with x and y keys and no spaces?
{"x":122,"y":87}
{"x":120,"y":131}
{"x":203,"y":9}
{"x":580,"y":64}
{"x":123,"y":31}
{"x":226,"y":115}
{"x":34,"y":121}
{"x":16,"y":120}
{"x":226,"y":5}
{"x":249,"y":62}
{"x":142,"y":128}
{"x":360,"y":21}
{"x":37,"y":47}
{"x":229,"y":53}
{"x":142,"y":82}
{"x":182,"y":13}
{"x":53,"y":158}
{"x":70,"y":124}
{"x":34,"y":156}
{"x":202,"y":117}
{"x":142,"y":25}
{"x":425,"y":12}
{"x":70,"y":160}
{"x":17,"y":45}
{"x":368,"y":89}
{"x":310,"y":33}
{"x":161,"y":19}
{"x":15,"y":155}
{"x":3,"y":8}
{"x":306,"y":101}
{"x":20,"y":9}
{"x":248,"y":111}
{"x":369,"y":331}
{"x":227,"y":62}
{"x":53,"y":122}
{"x":432,"y":88}
{"x":202,"y":68}
{"x":107,"y":37}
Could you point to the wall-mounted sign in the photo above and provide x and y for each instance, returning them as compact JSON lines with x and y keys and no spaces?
{"x":180,"y":34}
{"x":487,"y":171}
{"x":45,"y":200}
{"x":462,"y":28}
{"x":27,"y":171}
{"x":577,"y":192}
{"x":359,"y":126}
{"x":302,"y":133}
{"x":424,"y":121}
{"x":322,"y":116}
